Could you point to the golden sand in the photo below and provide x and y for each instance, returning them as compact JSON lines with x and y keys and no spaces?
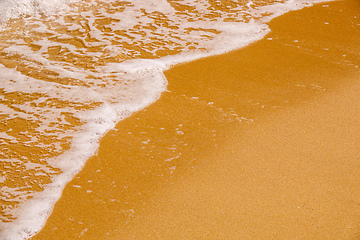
{"x":259,"y":143}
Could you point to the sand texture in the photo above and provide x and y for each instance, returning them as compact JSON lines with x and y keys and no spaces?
{"x":259,"y":143}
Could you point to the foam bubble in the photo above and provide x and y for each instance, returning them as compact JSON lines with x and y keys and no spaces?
{"x":11,"y":9}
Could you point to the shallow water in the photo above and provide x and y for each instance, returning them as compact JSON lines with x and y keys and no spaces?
{"x":70,"y":70}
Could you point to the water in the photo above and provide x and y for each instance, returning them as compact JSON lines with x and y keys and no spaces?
{"x":70,"y":70}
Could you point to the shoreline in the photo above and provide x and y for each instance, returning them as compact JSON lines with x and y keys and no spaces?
{"x":234,"y":141}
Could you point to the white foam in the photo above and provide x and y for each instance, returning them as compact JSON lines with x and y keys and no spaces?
{"x":12,"y":9}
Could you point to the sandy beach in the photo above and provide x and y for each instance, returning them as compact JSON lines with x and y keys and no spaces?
{"x":259,"y":143}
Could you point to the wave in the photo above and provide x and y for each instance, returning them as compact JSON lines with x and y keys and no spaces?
{"x":71,"y":70}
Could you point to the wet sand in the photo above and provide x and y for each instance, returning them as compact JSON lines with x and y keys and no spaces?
{"x":259,"y":143}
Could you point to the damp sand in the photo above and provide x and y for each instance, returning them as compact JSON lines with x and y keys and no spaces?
{"x":258,"y":143}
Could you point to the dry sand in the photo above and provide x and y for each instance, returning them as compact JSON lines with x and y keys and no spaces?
{"x":259,"y":143}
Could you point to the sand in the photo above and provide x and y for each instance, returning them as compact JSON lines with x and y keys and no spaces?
{"x":259,"y":143}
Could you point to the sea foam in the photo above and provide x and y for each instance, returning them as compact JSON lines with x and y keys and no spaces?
{"x":12,"y":9}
